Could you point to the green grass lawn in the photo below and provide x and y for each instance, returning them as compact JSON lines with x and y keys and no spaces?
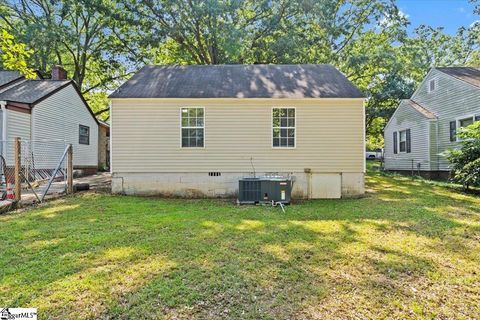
{"x":409,"y":249}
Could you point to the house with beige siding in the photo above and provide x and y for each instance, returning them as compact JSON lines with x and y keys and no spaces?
{"x":194,"y":131}
{"x":424,"y":127}
{"x":49,"y":114}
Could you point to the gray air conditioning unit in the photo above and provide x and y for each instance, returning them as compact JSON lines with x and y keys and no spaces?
{"x":264,"y":190}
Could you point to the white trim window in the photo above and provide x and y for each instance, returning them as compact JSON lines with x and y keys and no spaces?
{"x":83,"y":134}
{"x":283,"y":128}
{"x":193,"y":127}
{"x":402,"y":141}
{"x":465,"y":122}
{"x":462,"y":122}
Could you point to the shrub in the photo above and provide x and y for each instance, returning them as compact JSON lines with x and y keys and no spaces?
{"x":466,"y":159}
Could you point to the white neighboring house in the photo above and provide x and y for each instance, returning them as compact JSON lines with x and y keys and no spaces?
{"x":50,"y":113}
{"x":424,"y":126}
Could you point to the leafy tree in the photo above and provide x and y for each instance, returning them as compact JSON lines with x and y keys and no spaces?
{"x":466,"y":160}
{"x":14,"y":55}
{"x":101,"y":42}
{"x":358,"y":36}
{"x":85,"y":37}
{"x":203,"y":32}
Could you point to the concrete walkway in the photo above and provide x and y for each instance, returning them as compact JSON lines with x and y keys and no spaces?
{"x":100,"y":181}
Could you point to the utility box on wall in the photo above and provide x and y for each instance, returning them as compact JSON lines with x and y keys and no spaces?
{"x":264,"y":190}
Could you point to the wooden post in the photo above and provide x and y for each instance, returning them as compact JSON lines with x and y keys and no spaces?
{"x":70,"y":169}
{"x":18,"y":168}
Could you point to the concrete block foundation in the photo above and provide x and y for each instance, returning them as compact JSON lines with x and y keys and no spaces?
{"x":202,"y":185}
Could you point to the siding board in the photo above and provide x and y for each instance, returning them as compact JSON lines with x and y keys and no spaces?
{"x":452,"y":99}
{"x":146,"y":136}
{"x":58,"y":118}
{"x":18,"y":125}
{"x":407,"y":118}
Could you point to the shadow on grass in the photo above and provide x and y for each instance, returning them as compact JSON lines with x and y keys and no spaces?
{"x":114,"y":257}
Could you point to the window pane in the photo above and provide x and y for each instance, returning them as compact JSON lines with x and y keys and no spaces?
{"x":200,"y":142}
{"x":276,"y":142}
{"x":402,"y":146}
{"x":184,"y":122}
{"x":291,"y":113}
{"x":276,"y":112}
{"x":291,"y":133}
{"x":192,"y":122}
{"x":283,"y":142}
{"x":276,"y":133}
{"x":192,"y":112}
{"x":291,"y":122}
{"x":200,"y":122}
{"x":403,"y":135}
{"x":276,"y":122}
{"x":283,"y":112}
{"x":291,"y":142}
{"x":466,"y":122}
{"x":184,"y":142}
{"x":283,"y":122}
{"x":200,"y":112}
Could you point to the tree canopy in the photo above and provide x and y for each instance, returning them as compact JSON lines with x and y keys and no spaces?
{"x":14,"y":55}
{"x":102,"y":42}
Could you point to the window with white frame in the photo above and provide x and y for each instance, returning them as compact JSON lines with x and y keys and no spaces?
{"x":193,"y":127}
{"x":283,"y":127}
{"x":465,"y":122}
{"x":402,"y":141}
{"x":461,"y":123}
{"x":83,"y":134}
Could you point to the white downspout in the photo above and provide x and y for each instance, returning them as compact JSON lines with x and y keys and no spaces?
{"x":3,"y":105}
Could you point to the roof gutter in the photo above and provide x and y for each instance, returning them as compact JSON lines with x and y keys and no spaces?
{"x":234,"y":99}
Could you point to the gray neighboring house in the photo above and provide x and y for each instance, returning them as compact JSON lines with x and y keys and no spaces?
{"x":424,"y":126}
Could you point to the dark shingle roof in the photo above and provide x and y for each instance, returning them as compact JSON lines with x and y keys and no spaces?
{"x":238,"y":81}
{"x":467,"y":74}
{"x":9,"y":76}
{"x":33,"y":90}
